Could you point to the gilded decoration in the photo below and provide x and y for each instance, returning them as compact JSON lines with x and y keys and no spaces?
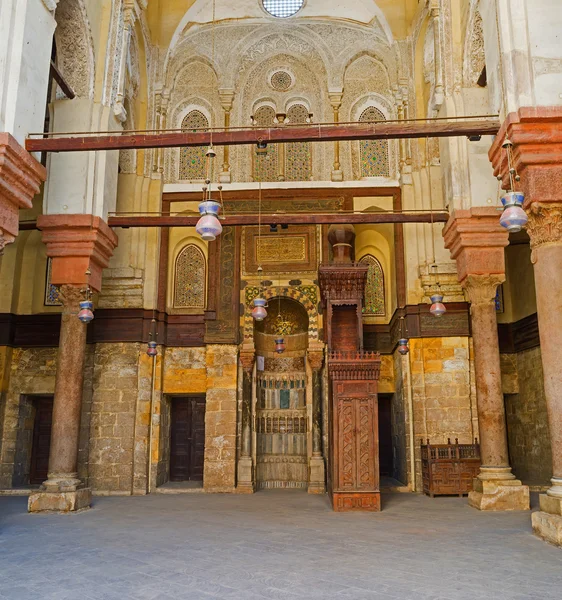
{"x":290,"y":205}
{"x":294,"y":250}
{"x":285,"y":317}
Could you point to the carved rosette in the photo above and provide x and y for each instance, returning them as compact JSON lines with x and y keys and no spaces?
{"x":481,"y":290}
{"x":545,"y":225}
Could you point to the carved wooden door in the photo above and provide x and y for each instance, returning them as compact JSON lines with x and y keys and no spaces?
{"x":187,"y":444}
{"x":41,"y":439}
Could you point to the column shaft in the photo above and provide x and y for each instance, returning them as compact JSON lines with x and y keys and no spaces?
{"x":63,"y":458}
{"x":316,"y":413}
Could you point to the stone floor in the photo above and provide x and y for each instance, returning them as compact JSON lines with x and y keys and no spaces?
{"x":275,"y":544}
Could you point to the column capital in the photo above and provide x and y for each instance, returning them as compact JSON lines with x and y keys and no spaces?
{"x":70,"y":297}
{"x":545,"y":224}
{"x":481,"y":290}
{"x":226,"y":97}
{"x":536,"y":134}
{"x":50,"y":4}
{"x":20,"y":180}
{"x":335,"y":99}
{"x":315,"y":359}
{"x":247,"y":361}
{"x":476,"y":241}
{"x":77,"y":243}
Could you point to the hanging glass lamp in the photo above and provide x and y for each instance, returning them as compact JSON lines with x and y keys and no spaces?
{"x":403,"y":347}
{"x":208,"y":226}
{"x":280,"y":345}
{"x":86,"y":314}
{"x":259,"y":313}
{"x":437,"y":309}
{"x":513,"y":218}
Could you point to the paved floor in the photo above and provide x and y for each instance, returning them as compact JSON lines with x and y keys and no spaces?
{"x":275,"y":544}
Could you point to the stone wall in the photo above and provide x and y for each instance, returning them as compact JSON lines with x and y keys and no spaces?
{"x":443,"y":392}
{"x":527,"y":423}
{"x":112,"y":423}
{"x":221,"y":418}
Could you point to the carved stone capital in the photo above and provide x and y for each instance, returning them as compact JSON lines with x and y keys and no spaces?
{"x":545,"y":224}
{"x":247,"y":361}
{"x":70,"y":297}
{"x":77,"y":243}
{"x":335,"y":99}
{"x":315,"y":360}
{"x":481,"y":290}
{"x":226,"y":98}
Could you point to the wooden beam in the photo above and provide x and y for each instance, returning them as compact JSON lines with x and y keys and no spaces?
{"x":62,"y":83}
{"x":280,"y":218}
{"x":274,"y":135}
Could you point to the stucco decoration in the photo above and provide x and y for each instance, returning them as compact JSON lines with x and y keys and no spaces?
{"x":475,"y":58}
{"x":75,"y":49}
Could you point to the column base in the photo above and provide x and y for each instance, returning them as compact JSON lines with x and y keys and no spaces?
{"x":498,"y":493}
{"x":317,"y":477}
{"x":225,"y":177}
{"x":245,"y":476}
{"x":547,"y":523}
{"x":337,"y":175}
{"x":356,"y":501}
{"x":60,"y":502}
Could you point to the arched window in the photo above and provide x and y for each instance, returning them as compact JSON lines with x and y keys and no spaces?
{"x":374,"y":290}
{"x":190,"y":278}
{"x":266,"y":164}
{"x":373,"y":156}
{"x":192,"y":160}
{"x":298,"y":158}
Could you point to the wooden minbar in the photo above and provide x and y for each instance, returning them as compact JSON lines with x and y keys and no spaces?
{"x":353,"y":480}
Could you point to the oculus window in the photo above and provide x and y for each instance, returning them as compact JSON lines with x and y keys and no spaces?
{"x":282,"y":8}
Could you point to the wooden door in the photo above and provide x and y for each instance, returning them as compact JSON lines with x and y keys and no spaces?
{"x":187,"y":444}
{"x":41,"y":444}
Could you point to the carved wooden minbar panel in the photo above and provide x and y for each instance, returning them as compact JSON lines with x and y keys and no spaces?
{"x":355,"y":451}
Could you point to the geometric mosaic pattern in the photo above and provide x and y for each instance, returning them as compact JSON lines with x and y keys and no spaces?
{"x":298,"y":156}
{"x":374,"y":289}
{"x":190,"y":278}
{"x":192,"y":160}
{"x":266,"y":165}
{"x":374,"y":153}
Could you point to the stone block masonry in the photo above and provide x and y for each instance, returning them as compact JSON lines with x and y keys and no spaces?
{"x":220,"y":420}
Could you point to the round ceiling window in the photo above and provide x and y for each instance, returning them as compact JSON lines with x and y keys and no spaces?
{"x":282,"y":8}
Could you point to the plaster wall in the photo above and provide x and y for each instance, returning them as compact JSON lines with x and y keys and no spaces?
{"x":26,"y":33}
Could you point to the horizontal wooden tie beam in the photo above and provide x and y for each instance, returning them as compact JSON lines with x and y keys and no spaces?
{"x":280,"y":218}
{"x":274,"y":135}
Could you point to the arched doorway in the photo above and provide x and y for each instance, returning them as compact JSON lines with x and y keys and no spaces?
{"x":281,"y":426}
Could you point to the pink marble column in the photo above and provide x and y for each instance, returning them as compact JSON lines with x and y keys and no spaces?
{"x":537,"y":153}
{"x":477,"y":241}
{"x":80,"y":246}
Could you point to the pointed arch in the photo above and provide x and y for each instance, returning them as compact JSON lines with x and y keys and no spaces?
{"x":190,"y":278}
{"x":192,"y":160}
{"x":266,"y":165}
{"x":298,"y":155}
{"x":375,"y":297}
{"x":373,"y":154}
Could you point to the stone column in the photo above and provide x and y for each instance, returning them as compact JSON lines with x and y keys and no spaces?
{"x":245,"y":463}
{"x":281,"y":148}
{"x":335,"y":101}
{"x":477,"y":241}
{"x":80,"y":247}
{"x":535,"y":133}
{"x":20,"y":179}
{"x":545,"y":231}
{"x":226,"y":99}
{"x":317,"y":479}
